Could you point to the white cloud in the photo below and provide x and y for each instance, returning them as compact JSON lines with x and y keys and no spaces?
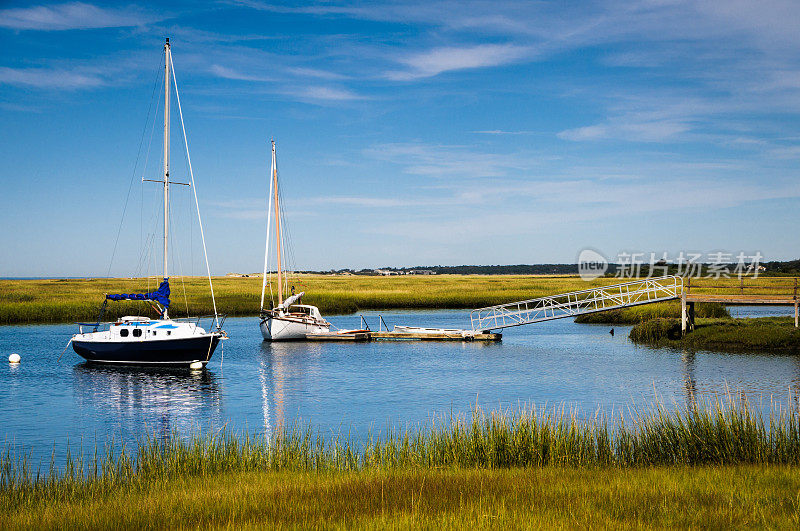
{"x":447,"y":161}
{"x":368,"y":202}
{"x":433,"y":62}
{"x":501,"y":132}
{"x":75,"y":15}
{"x":229,"y":73}
{"x":50,"y":78}
{"x":656,"y":131}
{"x":326,"y":94}
{"x":534,"y":208}
{"x":314,"y":72}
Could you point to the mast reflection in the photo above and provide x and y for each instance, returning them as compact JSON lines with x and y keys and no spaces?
{"x":162,"y":400}
{"x":284,"y":366}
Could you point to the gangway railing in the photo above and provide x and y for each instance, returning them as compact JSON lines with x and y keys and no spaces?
{"x":602,"y":298}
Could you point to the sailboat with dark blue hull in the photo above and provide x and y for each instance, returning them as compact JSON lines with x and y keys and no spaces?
{"x":137,"y":340}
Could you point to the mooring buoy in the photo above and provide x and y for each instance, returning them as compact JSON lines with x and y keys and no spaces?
{"x":14,"y":358}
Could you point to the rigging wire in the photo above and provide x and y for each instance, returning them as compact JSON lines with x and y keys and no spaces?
{"x":194,"y":189}
{"x":176,"y":253}
{"x":143,"y":265}
{"x":133,"y":175}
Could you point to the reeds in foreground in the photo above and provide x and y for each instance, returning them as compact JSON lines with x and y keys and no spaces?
{"x":722,"y":432}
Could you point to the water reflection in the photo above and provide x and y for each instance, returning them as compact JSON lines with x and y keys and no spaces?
{"x":159,"y":399}
{"x":282,"y":365}
{"x":361,"y":388}
{"x":689,"y":382}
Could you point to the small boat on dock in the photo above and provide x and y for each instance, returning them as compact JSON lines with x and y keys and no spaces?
{"x":289,"y":319}
{"x":138,"y":340}
{"x":340,"y":335}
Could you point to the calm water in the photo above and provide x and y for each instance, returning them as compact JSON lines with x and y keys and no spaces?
{"x":357,"y":388}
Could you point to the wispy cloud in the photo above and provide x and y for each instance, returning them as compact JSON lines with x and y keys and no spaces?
{"x":315,"y":72}
{"x":365,"y":201}
{"x":654,"y":131}
{"x":322,"y":93}
{"x":47,"y":78}
{"x":243,"y":209}
{"x":438,"y":60}
{"x":501,"y":132}
{"x":589,"y":201}
{"x":447,"y":160}
{"x":74,"y":15}
{"x":229,"y":73}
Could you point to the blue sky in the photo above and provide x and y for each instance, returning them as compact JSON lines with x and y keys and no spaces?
{"x":408,"y":132}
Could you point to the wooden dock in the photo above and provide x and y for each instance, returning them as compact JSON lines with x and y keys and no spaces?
{"x":768,"y":295}
{"x":741,"y":299}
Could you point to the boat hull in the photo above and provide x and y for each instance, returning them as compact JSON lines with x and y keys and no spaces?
{"x":279,"y":329}
{"x":182,"y":351}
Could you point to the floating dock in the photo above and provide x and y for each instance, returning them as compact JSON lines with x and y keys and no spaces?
{"x":359,"y":335}
{"x":406,"y":333}
{"x":441,"y":336}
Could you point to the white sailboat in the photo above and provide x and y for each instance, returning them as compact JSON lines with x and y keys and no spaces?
{"x":136,"y":340}
{"x":288,"y":320}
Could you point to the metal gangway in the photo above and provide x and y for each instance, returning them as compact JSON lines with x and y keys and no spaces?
{"x":599,"y":299}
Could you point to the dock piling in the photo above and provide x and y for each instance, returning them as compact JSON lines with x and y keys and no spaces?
{"x":683,"y":314}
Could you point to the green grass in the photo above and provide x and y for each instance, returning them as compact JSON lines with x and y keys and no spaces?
{"x":56,"y":301}
{"x":509,"y":465}
{"x":707,"y":497}
{"x":62,"y":301}
{"x":763,"y":334}
{"x":640,"y":314}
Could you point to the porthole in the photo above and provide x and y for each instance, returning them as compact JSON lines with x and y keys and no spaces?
{"x":169,"y":332}
{"x":137,"y":332}
{"x":154,"y":332}
{"x":123,"y":332}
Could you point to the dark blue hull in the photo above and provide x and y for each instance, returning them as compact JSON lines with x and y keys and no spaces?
{"x":162,"y":352}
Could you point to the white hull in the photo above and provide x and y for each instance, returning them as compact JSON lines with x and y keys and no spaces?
{"x":284,"y":329}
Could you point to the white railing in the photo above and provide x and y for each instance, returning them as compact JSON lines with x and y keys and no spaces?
{"x":644,"y":291}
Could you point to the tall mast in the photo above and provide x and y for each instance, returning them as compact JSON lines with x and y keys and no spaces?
{"x":166,"y":157}
{"x":269,"y":228}
{"x":277,"y":222}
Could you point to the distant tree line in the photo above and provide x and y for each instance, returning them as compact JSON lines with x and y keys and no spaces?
{"x":791,"y":267}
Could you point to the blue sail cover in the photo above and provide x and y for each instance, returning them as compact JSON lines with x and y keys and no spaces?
{"x":161,"y":295}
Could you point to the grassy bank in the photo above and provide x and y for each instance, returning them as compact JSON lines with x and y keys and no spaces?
{"x":56,"y":301}
{"x":452,"y":472}
{"x":641,"y":314}
{"x":707,"y":497}
{"x":63,"y":301}
{"x":763,"y":334}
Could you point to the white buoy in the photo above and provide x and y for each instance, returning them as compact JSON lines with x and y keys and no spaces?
{"x":14,"y":358}
{"x":196,"y":366}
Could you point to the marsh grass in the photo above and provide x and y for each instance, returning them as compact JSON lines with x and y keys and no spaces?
{"x":551,"y":497}
{"x":722,"y":432}
{"x":69,"y":300}
{"x":641,"y":314}
{"x":761,"y":334}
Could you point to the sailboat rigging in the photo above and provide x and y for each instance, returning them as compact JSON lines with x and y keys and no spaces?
{"x":287,"y":320}
{"x":164,"y":341}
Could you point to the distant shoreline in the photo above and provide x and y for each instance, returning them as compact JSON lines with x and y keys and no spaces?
{"x":43,"y":301}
